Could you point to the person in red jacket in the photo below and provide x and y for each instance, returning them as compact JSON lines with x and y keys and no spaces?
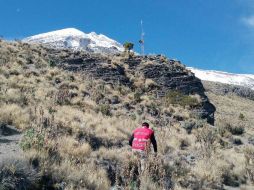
{"x":141,"y":138}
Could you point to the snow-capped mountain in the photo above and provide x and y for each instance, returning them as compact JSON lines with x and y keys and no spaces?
{"x":246,"y":80}
{"x":77,"y":40}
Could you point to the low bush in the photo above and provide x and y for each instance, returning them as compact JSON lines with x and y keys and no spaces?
{"x":33,"y":139}
{"x":234,"y":130}
{"x":249,"y":162}
{"x":207,"y":136}
{"x":189,"y":125}
{"x":137,"y":97}
{"x":52,"y":63}
{"x":241,"y":116}
{"x":13,"y":114}
{"x":135,"y":174}
{"x":71,"y":148}
{"x":178,"y":98}
{"x":104,"y":109}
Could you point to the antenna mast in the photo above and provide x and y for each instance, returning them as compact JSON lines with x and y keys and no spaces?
{"x":141,"y":41}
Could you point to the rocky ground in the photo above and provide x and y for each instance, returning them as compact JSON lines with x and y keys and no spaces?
{"x":9,"y":143}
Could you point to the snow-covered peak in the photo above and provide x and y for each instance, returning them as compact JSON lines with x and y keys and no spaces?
{"x":246,"y":80}
{"x":58,"y":33}
{"x":77,"y":40}
{"x":100,"y":40}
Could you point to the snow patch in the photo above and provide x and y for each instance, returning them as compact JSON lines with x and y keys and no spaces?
{"x":246,"y":80}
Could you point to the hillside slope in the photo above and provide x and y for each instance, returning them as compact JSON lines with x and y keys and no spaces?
{"x":227,"y":89}
{"x":78,"y":109}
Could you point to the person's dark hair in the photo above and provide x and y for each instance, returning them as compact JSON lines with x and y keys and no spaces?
{"x":145,"y":124}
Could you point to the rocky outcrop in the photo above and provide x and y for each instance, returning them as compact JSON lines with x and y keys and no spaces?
{"x":172,"y":75}
{"x":166,"y":74}
{"x":94,"y":65}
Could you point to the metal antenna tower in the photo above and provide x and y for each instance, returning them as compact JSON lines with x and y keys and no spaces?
{"x":142,"y":41}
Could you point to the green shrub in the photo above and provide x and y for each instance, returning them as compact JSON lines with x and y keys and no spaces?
{"x":241,"y":116}
{"x":52,"y":63}
{"x":137,"y":97}
{"x":122,"y":90}
{"x":128,"y":46}
{"x":189,"y":125}
{"x":104,"y":109}
{"x":133,"y":116}
{"x":178,"y":98}
{"x":52,"y":110}
{"x":33,"y":139}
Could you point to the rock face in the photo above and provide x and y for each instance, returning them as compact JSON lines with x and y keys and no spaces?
{"x":172,"y":75}
{"x":167,"y":75}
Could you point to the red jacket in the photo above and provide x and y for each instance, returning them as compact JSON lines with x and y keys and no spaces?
{"x":141,"y":138}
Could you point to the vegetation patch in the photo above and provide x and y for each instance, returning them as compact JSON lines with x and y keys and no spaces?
{"x":178,"y":98}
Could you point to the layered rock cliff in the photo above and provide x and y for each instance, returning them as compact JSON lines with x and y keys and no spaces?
{"x":134,"y":71}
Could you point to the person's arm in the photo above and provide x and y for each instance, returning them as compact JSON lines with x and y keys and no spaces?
{"x":153,"y":141}
{"x":131,"y":139}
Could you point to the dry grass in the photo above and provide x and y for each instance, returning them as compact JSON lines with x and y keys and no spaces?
{"x":82,"y":148}
{"x":231,"y":125}
{"x":68,"y":147}
{"x":13,"y":114}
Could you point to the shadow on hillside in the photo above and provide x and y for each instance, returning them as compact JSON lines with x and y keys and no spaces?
{"x":7,"y":130}
{"x":97,"y":142}
{"x":5,"y":141}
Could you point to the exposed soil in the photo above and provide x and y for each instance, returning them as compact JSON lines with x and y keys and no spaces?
{"x":9,"y":142}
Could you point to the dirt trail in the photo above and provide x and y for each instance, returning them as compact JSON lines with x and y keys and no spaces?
{"x":9,"y":142}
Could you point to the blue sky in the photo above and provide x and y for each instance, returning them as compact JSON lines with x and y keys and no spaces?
{"x":207,"y":34}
